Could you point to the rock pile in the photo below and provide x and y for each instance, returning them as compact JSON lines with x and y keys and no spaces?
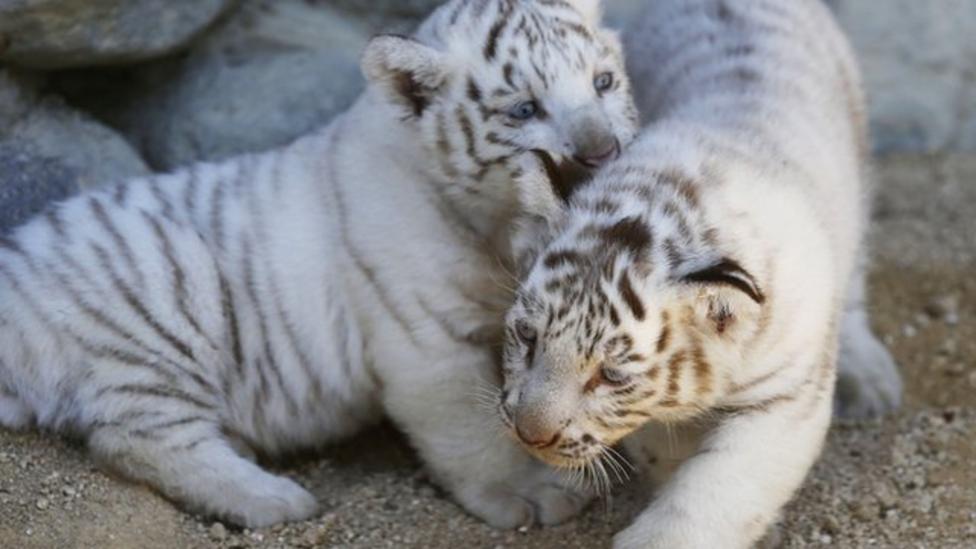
{"x":93,"y":91}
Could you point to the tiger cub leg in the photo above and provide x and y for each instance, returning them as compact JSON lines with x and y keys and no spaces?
{"x":183,"y":454}
{"x":464,"y":447}
{"x":868,"y":382}
{"x":730,"y":490}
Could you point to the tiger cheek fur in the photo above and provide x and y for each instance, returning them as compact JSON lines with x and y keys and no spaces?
{"x":185,"y":322}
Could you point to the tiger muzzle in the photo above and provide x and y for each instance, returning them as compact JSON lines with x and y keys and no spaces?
{"x":534,"y":431}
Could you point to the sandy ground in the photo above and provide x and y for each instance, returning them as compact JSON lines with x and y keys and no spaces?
{"x":907,"y":481}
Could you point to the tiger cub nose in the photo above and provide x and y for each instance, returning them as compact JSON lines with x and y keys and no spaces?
{"x":540,"y":444}
{"x":596,"y":156}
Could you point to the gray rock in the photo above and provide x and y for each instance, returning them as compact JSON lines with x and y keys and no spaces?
{"x":45,"y":127}
{"x":28,"y":183}
{"x":270,"y":73}
{"x":71,"y":33}
{"x":618,"y":13}
{"x":396,"y":8}
{"x":919,"y":60}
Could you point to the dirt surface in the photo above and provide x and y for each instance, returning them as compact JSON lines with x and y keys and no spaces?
{"x":907,"y":481}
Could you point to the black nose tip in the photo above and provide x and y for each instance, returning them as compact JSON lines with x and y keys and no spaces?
{"x":599,"y":157}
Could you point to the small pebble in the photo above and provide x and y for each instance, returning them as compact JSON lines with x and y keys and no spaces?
{"x":943,"y":307}
{"x":830,"y":525}
{"x":955,"y":368}
{"x":866,"y":511}
{"x":42,"y":504}
{"x":218,"y":531}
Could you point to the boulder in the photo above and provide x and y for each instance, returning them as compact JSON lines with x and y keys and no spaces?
{"x":43,"y":129}
{"x":28,"y":183}
{"x":72,"y":33}
{"x":392,"y":8}
{"x":919,"y":60}
{"x":274,"y":70}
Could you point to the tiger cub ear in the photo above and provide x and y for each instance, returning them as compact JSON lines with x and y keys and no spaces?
{"x":730,"y":298}
{"x":408,"y":72}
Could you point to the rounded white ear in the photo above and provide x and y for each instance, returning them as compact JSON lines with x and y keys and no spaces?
{"x":591,"y":10}
{"x":732,"y":299}
{"x":408,"y":72}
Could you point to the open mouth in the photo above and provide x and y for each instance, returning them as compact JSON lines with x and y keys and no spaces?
{"x":566,"y":175}
{"x":597,"y":160}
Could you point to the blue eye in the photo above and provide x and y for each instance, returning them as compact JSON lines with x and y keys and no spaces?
{"x":614,"y":377}
{"x":603,"y":81}
{"x":524,"y":110}
{"x":525,"y":332}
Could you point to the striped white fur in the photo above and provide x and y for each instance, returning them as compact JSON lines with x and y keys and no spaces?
{"x":185,"y":322}
{"x":689,"y":301}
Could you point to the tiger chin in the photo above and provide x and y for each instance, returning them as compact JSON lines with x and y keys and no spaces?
{"x":689,"y":301}
{"x":184,"y":323}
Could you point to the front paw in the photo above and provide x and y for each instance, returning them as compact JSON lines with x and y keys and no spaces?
{"x":868,"y":382}
{"x":535,"y":497}
{"x":678,"y":530}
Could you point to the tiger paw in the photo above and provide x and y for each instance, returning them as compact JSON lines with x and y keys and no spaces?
{"x":868,"y":382}
{"x":539,"y":499}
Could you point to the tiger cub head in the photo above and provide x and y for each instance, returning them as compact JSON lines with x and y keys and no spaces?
{"x":485,"y":81}
{"x":631,"y":313}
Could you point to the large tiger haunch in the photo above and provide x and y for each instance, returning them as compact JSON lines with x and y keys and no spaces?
{"x":689,"y":301}
{"x":184,"y":323}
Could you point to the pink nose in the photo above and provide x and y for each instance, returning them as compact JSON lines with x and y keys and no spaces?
{"x":600,"y":157}
{"x":540,"y":441}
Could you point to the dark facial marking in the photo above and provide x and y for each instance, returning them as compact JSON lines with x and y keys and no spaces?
{"x":665,"y":337}
{"x":630,"y":297}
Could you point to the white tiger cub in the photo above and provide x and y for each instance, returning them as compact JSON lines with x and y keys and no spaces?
{"x":690,"y":298}
{"x":183,"y":323}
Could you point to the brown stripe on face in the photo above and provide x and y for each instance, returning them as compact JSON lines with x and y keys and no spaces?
{"x":703,"y":370}
{"x":474,"y":92}
{"x":467,"y":128}
{"x":674,"y":372}
{"x":665,"y":336}
{"x":630,"y":296}
{"x":491,"y":44}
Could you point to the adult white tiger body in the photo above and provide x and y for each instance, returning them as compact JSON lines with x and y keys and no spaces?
{"x":690,"y":298}
{"x":279,"y":301}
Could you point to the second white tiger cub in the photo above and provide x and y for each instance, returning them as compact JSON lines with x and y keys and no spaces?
{"x":280,"y":301}
{"x":691,"y":297}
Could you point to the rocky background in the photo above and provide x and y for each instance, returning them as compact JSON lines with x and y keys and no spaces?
{"x":94,"y":91}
